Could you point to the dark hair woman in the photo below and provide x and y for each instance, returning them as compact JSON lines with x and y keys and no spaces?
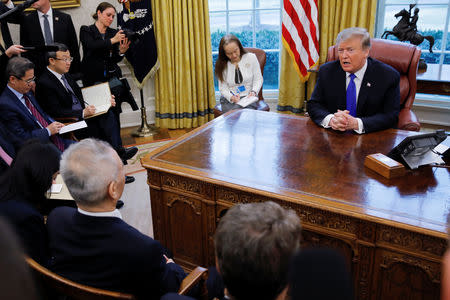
{"x":238,"y":73}
{"x":22,"y":194}
{"x":103,"y":47}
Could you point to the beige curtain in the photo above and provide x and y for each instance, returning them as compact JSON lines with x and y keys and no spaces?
{"x":184,"y":87}
{"x":334,"y":16}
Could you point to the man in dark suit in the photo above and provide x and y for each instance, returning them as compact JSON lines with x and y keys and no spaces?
{"x":19,"y":110}
{"x":61,"y":97}
{"x":46,"y":26}
{"x":356,"y":92}
{"x":92,"y":244}
{"x":254,"y":244}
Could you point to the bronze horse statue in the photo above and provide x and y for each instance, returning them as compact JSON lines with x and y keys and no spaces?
{"x":406,"y":31}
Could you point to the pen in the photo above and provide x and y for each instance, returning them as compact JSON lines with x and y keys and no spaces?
{"x":232,"y":93}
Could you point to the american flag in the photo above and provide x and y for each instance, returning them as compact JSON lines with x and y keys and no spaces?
{"x":300,"y":33}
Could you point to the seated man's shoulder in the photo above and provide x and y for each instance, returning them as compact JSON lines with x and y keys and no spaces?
{"x":59,"y":212}
{"x":385,"y":68}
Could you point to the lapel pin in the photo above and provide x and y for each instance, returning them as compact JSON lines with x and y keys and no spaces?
{"x":368,"y":84}
{"x":56,"y":19}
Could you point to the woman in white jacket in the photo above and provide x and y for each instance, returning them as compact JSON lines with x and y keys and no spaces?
{"x":238,"y":73}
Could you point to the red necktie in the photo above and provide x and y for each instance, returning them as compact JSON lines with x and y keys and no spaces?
{"x":55,"y":139}
{"x":5,"y":156}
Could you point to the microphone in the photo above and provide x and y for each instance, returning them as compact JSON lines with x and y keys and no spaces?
{"x":19,"y":7}
{"x":45,"y":48}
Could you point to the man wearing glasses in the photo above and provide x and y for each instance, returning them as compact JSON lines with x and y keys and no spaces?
{"x":19,"y":110}
{"x":61,"y":97}
{"x":356,"y":92}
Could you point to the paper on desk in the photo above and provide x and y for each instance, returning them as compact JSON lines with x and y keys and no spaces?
{"x":56,"y":188}
{"x":247,"y":100}
{"x":72,"y":127}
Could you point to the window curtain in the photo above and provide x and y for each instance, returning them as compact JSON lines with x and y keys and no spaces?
{"x":184,"y":87}
{"x":334,"y":16}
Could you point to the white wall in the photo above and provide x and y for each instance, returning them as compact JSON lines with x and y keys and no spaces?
{"x":83,"y":16}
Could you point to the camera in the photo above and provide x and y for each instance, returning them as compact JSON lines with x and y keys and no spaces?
{"x":131,"y":35}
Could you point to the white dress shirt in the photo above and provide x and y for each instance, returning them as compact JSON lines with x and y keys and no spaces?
{"x":115,"y":213}
{"x":359,"y":75}
{"x":50,"y":21}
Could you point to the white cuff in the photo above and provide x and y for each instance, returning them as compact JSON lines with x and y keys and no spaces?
{"x":360,"y":126}
{"x":326,"y":121}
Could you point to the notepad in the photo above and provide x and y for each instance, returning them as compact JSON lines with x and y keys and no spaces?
{"x":98,"y":95}
{"x":247,"y":100}
{"x":73,"y":127}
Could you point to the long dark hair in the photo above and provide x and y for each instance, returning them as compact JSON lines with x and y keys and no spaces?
{"x":101,"y":7}
{"x":222,"y":60}
{"x":30,"y":174}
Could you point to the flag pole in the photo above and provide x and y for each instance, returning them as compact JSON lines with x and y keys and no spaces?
{"x":145,"y":129}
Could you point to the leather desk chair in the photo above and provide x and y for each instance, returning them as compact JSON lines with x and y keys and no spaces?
{"x":261,"y":56}
{"x":404,"y":58}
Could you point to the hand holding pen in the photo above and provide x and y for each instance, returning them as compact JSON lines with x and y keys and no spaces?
{"x":235,"y":98}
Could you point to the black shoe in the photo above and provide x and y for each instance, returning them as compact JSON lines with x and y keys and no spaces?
{"x":119,"y":204}
{"x":128,"y":153}
{"x":129,"y":179}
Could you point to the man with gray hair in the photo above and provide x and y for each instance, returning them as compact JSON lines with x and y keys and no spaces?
{"x":254,"y":244}
{"x":355,"y":92}
{"x":92,"y":245}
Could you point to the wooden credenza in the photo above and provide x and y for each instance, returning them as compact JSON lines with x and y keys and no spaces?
{"x":392,"y":232}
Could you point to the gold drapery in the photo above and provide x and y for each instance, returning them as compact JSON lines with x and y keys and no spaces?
{"x":184,"y":87}
{"x":334,"y":16}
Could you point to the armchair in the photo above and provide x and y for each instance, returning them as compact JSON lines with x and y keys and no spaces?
{"x":261,"y":56}
{"x":54,"y":284}
{"x":404,"y":58}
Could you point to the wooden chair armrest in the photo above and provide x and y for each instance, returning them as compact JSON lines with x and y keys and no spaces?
{"x":192,"y":279}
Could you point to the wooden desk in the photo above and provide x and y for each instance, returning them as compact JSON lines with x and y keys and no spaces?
{"x":392,"y":231}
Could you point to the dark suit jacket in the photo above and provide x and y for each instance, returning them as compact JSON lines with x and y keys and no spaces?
{"x":29,"y":226}
{"x":18,"y":120}
{"x":57,"y":102}
{"x":14,"y":18}
{"x":378,"y":100}
{"x":63,"y":32}
{"x":100,"y":57}
{"x":108,"y":253}
{"x":55,"y":99}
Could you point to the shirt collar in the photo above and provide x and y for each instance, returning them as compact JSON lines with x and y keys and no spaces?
{"x":360,"y":73}
{"x":49,"y":14}
{"x":18,"y":95}
{"x":115,"y":213}
{"x":59,"y":76}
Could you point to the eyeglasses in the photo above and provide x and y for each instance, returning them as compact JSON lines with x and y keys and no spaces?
{"x":28,"y":81}
{"x":65,"y":59}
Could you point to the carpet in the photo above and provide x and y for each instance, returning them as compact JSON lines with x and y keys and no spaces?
{"x":134,"y":164}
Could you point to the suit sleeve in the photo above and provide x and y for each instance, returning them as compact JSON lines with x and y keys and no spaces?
{"x":388,"y":117}
{"x":34,"y":236}
{"x":49,"y":100}
{"x":12,"y":121}
{"x":257,"y":76}
{"x":316,"y":106}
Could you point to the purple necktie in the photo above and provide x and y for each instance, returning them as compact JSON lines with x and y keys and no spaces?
{"x":351,"y":96}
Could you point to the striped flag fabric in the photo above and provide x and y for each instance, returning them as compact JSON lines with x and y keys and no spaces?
{"x":300,"y":34}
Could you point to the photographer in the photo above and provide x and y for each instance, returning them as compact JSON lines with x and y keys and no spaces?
{"x":103,"y":47}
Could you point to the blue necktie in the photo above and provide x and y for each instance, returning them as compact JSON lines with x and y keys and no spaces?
{"x":47,"y":32}
{"x":351,"y":96}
